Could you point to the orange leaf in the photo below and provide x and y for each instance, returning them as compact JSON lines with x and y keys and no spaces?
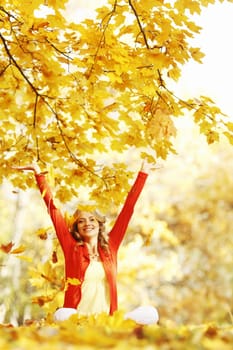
{"x":41,"y":300}
{"x":54,"y":257}
{"x":6,"y":248}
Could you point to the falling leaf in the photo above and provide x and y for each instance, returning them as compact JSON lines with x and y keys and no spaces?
{"x":6,"y":248}
{"x":18,"y":250}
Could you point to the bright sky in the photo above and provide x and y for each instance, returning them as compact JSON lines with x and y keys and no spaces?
{"x":215,"y":76}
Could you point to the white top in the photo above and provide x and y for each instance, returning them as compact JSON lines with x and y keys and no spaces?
{"x":95,"y":293}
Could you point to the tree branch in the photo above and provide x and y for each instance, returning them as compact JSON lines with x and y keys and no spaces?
{"x":17,"y":66}
{"x":109,"y":15}
{"x":139,"y":24}
{"x":9,"y":14}
{"x":4,"y":69}
{"x":188,"y":105}
{"x":47,"y":104}
{"x":34,"y":113}
{"x":72,"y":155}
{"x":59,"y":51}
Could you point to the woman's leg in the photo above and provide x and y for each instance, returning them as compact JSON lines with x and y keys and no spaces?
{"x":143,"y":315}
{"x":64,"y":313}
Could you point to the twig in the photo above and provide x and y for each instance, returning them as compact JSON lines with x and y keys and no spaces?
{"x":59,"y":51}
{"x":17,"y":66}
{"x":34,"y":113}
{"x":139,"y":24}
{"x":102,"y":36}
{"x":72,"y":155}
{"x":4,"y":69}
{"x":9,"y":14}
{"x":192,"y":107}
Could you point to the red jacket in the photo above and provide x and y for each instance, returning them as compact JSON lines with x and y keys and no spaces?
{"x":76,"y":256}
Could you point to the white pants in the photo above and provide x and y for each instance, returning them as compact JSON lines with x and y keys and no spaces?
{"x":143,"y":315}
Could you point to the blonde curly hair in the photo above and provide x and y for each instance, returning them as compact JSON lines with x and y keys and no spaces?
{"x":102,"y":236}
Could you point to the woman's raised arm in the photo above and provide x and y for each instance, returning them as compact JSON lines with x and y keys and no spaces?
{"x":57,"y":218}
{"x":118,"y":231}
{"x":41,"y":182}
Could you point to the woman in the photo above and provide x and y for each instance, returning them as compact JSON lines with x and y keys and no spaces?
{"x":91,"y":256}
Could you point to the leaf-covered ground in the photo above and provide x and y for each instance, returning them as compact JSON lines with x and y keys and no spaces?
{"x":114,"y":333}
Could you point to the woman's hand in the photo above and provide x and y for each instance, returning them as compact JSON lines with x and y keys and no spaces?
{"x":32,"y":167}
{"x":147,"y":167}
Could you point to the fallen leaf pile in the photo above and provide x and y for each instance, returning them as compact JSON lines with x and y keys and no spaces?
{"x":105,"y":332}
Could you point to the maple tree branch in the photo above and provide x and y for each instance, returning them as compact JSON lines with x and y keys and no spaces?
{"x":38,"y":150}
{"x":72,"y":155}
{"x":17,"y":66}
{"x":139,"y":23}
{"x":34,"y":126}
{"x":35,"y":106}
{"x":189,"y":105}
{"x":4,"y":69}
{"x":109,"y":15}
{"x":59,"y":51}
{"x":9,"y":14}
{"x":9,"y":148}
{"x":160,"y":96}
{"x":12,"y":59}
{"x":34,"y":112}
{"x":161,"y":82}
{"x":146,"y":66}
{"x":48,"y":105}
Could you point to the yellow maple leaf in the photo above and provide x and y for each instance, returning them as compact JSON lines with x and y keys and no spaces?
{"x":18,"y":250}
{"x":196,"y":54}
{"x":174,"y":73}
{"x":72,"y":281}
{"x":24,"y":258}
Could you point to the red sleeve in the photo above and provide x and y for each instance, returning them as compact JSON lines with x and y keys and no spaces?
{"x":118,"y":231}
{"x":57,"y":218}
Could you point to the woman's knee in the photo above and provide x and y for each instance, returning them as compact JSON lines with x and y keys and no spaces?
{"x":143,"y":315}
{"x":64,"y":313}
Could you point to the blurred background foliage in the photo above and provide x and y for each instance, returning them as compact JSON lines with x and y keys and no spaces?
{"x":177,"y":254}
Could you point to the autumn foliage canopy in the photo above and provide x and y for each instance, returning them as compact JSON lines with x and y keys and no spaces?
{"x":83,"y":99}
{"x":71,"y":92}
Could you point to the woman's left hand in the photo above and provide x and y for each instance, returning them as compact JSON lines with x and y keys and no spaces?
{"x":31,"y":167}
{"x":147,"y":167}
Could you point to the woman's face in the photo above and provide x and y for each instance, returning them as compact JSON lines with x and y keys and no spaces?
{"x":88,"y":226}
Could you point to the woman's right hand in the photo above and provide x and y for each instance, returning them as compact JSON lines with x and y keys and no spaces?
{"x":31,"y":167}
